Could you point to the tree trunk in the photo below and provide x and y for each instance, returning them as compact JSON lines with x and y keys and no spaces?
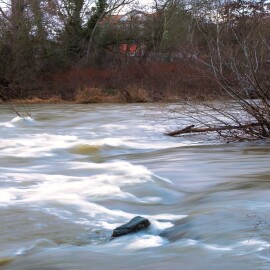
{"x":192,"y":129}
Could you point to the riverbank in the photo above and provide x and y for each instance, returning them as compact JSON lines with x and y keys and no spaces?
{"x":134,"y":83}
{"x":97,"y":95}
{"x":87,"y":98}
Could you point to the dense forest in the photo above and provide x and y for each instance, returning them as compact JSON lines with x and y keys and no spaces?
{"x":119,"y":50}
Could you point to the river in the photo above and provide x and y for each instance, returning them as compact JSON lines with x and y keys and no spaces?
{"x":72,"y":173}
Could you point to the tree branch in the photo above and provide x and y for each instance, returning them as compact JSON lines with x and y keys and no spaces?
{"x":4,"y":14}
{"x":192,"y":129}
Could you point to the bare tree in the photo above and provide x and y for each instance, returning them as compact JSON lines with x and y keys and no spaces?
{"x":110,"y":7}
{"x":238,"y":53}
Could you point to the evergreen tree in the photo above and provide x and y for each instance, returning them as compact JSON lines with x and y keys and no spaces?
{"x":99,"y":11}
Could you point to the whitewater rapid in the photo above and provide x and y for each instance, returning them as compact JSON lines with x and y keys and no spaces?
{"x":70,"y":174}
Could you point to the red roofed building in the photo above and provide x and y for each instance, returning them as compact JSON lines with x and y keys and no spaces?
{"x":134,"y":19}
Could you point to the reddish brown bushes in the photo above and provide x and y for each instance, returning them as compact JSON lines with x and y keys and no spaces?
{"x":136,"y":82}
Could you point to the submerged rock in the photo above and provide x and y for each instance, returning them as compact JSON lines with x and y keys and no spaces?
{"x":134,"y":225}
{"x":5,"y":261}
{"x":178,"y":231}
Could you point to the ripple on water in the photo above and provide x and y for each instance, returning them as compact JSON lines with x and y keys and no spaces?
{"x":67,"y":180}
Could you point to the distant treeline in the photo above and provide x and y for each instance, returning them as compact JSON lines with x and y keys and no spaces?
{"x":80,"y":51}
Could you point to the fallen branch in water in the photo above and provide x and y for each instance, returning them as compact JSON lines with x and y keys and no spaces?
{"x":14,"y":109}
{"x":25,"y":114}
{"x":180,"y":131}
{"x":193,"y":129}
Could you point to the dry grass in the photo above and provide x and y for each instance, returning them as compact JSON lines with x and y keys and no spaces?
{"x":95,"y":95}
{"x":138,"y":94}
{"x":132,"y":94}
{"x":36,"y":100}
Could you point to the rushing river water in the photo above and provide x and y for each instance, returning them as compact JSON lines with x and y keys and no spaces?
{"x":73,"y":173}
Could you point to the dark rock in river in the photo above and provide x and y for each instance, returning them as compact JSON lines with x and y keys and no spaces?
{"x":134,"y":225}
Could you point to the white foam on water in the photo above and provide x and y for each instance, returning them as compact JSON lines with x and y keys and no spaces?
{"x":7,"y":124}
{"x":146,"y":241}
{"x":36,"y":145}
{"x":85,"y":192}
{"x":138,"y":241}
{"x":163,"y":179}
{"x":217,"y":247}
{"x":167,"y":217}
{"x":252,"y":245}
{"x":6,"y":196}
{"x":44,"y":144}
{"x":198,"y":244}
{"x":240,"y":248}
{"x":191,"y":242}
{"x":133,"y":143}
{"x":188,"y":243}
{"x":139,"y":128}
{"x":127,"y":171}
{"x":26,"y":119}
{"x":59,"y":195}
{"x":157,"y":226}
